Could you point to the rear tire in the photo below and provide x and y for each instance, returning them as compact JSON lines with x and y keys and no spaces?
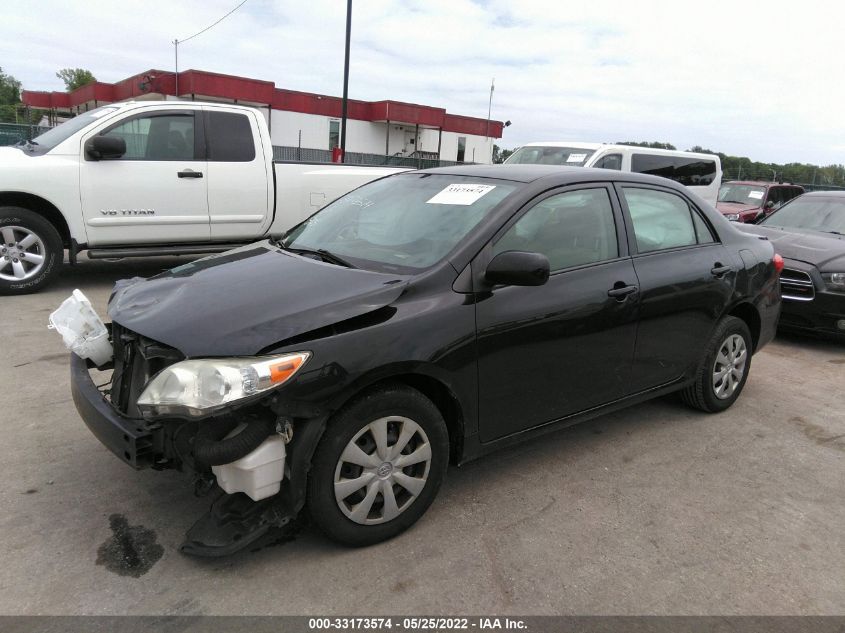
{"x":722,"y":372}
{"x":31,"y":251}
{"x":378,"y":466}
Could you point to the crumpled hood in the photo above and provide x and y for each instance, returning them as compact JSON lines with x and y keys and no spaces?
{"x":242,"y":301}
{"x":823,"y":250}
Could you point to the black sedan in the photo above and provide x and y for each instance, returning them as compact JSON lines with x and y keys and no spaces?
{"x":809,"y":233}
{"x":426,"y":318}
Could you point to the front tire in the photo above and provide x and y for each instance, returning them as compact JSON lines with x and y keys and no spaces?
{"x":378,"y":466}
{"x":30,"y":253}
{"x":723,"y":370}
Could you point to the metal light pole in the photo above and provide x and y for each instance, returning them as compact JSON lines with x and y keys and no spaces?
{"x":489,"y":110}
{"x":176,"y":59}
{"x":345,"y":83}
{"x":490,"y":104}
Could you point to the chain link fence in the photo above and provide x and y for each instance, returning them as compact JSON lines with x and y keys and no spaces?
{"x":308,"y":155}
{"x":770,"y":175}
{"x":12,"y":133}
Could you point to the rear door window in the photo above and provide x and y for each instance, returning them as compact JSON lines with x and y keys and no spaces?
{"x":229,"y":137}
{"x":664,"y":220}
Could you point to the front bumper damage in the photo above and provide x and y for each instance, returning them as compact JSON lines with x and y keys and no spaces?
{"x":234,"y":521}
{"x":133,"y":440}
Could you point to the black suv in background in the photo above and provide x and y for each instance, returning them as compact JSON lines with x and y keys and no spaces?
{"x":749,"y":201}
{"x":426,"y":318}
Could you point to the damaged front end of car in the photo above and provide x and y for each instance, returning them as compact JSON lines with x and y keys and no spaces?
{"x":220,"y":420}
{"x":221,"y":389}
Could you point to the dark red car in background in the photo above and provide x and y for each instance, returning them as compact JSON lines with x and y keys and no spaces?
{"x":749,"y":201}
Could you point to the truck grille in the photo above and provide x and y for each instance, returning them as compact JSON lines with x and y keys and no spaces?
{"x":796,"y":285}
{"x":136,"y":360}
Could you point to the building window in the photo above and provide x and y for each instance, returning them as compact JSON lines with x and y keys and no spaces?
{"x":334,"y":134}
{"x":462,"y":148}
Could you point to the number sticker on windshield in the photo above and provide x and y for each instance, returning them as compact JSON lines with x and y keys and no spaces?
{"x":463,"y":194}
{"x":576,"y":158}
{"x":757,"y":195}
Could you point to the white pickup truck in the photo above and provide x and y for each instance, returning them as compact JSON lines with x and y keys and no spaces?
{"x":152,"y":178}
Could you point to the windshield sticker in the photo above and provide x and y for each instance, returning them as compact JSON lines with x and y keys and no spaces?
{"x":576,"y":158}
{"x":463,"y":194}
{"x":757,"y":195}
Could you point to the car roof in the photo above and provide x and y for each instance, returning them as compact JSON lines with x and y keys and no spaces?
{"x":830,"y":194}
{"x":555,"y":174}
{"x":617,"y":147}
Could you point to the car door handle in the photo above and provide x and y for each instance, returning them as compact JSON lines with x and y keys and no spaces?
{"x":189,"y":173}
{"x":620,"y":293}
{"x":718,"y":270}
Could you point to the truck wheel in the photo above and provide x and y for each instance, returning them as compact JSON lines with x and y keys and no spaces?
{"x":378,"y":466}
{"x":31,"y":251}
{"x":722,"y":373}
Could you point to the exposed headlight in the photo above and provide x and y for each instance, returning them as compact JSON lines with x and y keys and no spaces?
{"x":733,"y":217}
{"x":834,"y":281}
{"x":198,"y":387}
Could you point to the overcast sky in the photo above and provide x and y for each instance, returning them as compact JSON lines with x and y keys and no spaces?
{"x":761,"y":80}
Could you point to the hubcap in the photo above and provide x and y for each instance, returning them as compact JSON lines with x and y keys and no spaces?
{"x":729,"y":367}
{"x":22,"y":255}
{"x":383,"y":468}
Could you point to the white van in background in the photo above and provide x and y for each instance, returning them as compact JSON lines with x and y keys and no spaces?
{"x":702,"y":173}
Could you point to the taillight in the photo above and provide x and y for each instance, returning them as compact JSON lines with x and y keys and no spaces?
{"x":777,"y":260}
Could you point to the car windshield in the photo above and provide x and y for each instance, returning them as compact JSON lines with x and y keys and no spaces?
{"x":534,"y":155}
{"x":744,"y":194}
{"x":47,"y":141}
{"x":402,"y":224}
{"x":812,"y":213}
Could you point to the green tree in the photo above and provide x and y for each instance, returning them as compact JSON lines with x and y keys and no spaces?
{"x":75,"y":77}
{"x":10,"y":96}
{"x":500,"y":155}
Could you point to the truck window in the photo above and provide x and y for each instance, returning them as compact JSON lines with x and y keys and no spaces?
{"x":611,"y":161}
{"x":687,"y":171}
{"x":229,"y":137}
{"x":157,"y":136}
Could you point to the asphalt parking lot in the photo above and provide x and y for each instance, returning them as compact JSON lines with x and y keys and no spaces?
{"x":653,"y":510}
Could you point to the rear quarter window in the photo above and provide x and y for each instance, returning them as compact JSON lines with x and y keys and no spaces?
{"x":229,"y":137}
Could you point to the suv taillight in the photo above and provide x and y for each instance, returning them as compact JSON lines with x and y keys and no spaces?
{"x":777,"y":260}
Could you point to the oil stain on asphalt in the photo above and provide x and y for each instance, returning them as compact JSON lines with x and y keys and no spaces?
{"x":131,"y":550}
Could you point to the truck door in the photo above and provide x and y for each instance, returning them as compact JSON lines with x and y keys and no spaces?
{"x":157,"y":191}
{"x":240,"y":178}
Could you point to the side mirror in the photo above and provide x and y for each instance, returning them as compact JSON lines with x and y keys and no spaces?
{"x":770,"y":204}
{"x":105,"y":147}
{"x":518,"y":268}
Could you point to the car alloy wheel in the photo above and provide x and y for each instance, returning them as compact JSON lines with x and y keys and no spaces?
{"x":22,"y":253}
{"x":729,"y":366}
{"x":382,"y":470}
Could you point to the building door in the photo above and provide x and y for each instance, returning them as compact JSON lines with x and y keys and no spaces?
{"x":410,"y":142}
